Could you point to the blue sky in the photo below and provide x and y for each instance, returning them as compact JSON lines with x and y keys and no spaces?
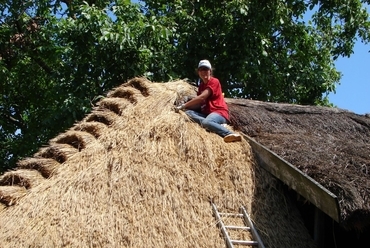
{"x":353,"y":93}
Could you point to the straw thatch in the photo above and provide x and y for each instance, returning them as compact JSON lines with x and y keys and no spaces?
{"x":134,"y":173}
{"x":329,"y":144}
{"x":10,"y":194}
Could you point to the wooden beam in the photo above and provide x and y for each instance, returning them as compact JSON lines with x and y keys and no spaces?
{"x":319,"y":228}
{"x":306,"y":186}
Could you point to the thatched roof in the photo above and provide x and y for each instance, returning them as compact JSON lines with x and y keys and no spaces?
{"x":134,"y":173}
{"x":330,"y":145}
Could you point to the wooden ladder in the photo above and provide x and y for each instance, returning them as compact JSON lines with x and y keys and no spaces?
{"x":247,"y":226}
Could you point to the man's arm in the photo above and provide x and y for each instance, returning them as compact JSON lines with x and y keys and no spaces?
{"x":198,"y":100}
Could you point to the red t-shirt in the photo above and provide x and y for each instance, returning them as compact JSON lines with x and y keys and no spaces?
{"x":215,"y":102}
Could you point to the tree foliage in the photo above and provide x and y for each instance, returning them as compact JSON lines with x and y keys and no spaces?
{"x":56,"y":64}
{"x":266,"y":50}
{"x":57,"y":58}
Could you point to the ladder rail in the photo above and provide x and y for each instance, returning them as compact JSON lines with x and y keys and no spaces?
{"x":222,"y":227}
{"x":248,"y":221}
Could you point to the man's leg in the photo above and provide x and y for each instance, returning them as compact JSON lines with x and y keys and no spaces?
{"x":196,"y":116}
{"x":213,"y":122}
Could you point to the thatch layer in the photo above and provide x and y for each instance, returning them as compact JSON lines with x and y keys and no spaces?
{"x":22,"y":177}
{"x":46,"y":166}
{"x":9,"y":195}
{"x":329,"y":144}
{"x":144,"y":176}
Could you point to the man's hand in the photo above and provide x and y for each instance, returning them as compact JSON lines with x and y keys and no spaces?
{"x":178,"y":108}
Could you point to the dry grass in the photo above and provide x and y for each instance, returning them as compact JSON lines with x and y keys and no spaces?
{"x":144,"y":176}
{"x":330,"y":145}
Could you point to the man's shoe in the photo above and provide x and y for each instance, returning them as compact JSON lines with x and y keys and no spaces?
{"x":232,"y":137}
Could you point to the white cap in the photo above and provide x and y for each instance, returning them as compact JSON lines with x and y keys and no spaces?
{"x":205,"y":63}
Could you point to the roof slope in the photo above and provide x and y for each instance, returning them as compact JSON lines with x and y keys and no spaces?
{"x":134,"y":173}
{"x":329,"y":144}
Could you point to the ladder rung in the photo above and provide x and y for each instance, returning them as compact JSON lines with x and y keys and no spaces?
{"x":246,"y":228}
{"x":230,"y":215}
{"x":244,"y":242}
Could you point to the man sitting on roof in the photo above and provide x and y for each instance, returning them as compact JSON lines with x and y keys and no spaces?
{"x":213,"y":111}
